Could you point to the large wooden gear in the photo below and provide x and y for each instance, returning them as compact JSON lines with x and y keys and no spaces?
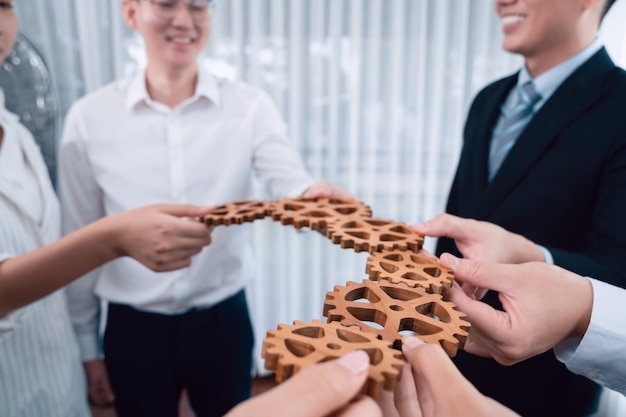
{"x":397,"y":308}
{"x":404,"y":293}
{"x":289,"y":349}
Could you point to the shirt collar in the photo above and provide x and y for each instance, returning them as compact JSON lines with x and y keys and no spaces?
{"x":5,"y":115}
{"x":548,"y":82}
{"x":207,"y":87}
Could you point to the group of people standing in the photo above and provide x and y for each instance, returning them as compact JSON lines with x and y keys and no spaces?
{"x":542,"y":170}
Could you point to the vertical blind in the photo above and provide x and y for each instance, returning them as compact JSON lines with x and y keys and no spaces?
{"x":374,"y":92}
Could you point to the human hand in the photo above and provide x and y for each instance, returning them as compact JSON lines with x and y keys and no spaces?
{"x":543,"y":305}
{"x":163,"y":237}
{"x":98,"y":388}
{"x":317,"y":391}
{"x":328,"y":190}
{"x":431,"y":386}
{"x":480,"y":240}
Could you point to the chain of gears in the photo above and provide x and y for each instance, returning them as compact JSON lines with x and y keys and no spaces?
{"x":403,"y":295}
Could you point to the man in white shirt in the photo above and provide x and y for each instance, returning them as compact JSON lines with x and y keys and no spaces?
{"x":174,"y":133}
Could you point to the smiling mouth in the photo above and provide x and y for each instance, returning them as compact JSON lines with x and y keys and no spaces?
{"x":180,"y":39}
{"x":511,"y":19}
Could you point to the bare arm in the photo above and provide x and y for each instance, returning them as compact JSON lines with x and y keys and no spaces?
{"x":158,"y":236}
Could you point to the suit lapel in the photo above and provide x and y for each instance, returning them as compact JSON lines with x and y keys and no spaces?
{"x":584,"y":87}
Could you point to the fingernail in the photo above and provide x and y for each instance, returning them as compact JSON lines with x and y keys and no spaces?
{"x":450,"y":260}
{"x":412,"y":342}
{"x":355,"y":362}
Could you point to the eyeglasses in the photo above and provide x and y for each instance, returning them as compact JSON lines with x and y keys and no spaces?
{"x":198,"y":9}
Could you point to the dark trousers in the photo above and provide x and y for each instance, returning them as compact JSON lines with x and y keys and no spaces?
{"x":152,"y":357}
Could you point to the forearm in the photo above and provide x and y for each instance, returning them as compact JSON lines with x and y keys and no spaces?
{"x":33,"y":275}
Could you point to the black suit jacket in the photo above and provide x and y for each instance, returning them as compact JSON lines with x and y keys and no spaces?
{"x":563,"y":185}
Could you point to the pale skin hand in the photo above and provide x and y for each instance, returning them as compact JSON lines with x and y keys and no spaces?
{"x":543,"y":305}
{"x":162,"y":237}
{"x":328,"y":190}
{"x":480,"y":240}
{"x":431,"y":386}
{"x":317,"y":391}
{"x":98,"y":387}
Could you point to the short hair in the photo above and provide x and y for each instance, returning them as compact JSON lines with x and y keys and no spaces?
{"x":607,"y":7}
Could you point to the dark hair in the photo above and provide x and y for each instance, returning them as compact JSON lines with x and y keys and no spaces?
{"x":607,"y":7}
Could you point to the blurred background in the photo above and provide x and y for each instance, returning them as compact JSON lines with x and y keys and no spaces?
{"x":375,"y":94}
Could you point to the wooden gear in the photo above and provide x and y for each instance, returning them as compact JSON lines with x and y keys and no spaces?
{"x":413,"y":269}
{"x":238,"y":212}
{"x":317,"y":213}
{"x":404,"y":292}
{"x":374,"y":235}
{"x":291,"y":348}
{"x":396,"y":308}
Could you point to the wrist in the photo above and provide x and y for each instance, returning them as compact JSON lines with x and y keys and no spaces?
{"x":111,"y":234}
{"x":530,"y":252}
{"x":585,"y":308}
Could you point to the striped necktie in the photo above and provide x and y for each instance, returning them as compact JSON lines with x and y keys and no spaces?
{"x":511,"y":125}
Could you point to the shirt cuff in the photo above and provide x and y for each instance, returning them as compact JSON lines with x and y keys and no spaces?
{"x":547,"y":256}
{"x":598,"y":355}
{"x":90,"y":348}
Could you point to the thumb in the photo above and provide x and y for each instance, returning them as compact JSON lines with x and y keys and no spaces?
{"x":477,"y":273}
{"x":183,"y":210}
{"x":441,"y":225}
{"x":316,"y":391}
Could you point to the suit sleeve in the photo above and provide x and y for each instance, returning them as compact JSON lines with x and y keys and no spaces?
{"x":604,"y":253}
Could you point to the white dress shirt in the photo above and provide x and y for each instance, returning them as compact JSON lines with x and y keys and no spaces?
{"x":599,"y":355}
{"x":40,"y":369}
{"x":122,"y":150}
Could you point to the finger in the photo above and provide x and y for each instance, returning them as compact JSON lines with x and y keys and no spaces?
{"x":317,"y":190}
{"x":170,"y":266}
{"x":316,"y":391}
{"x":427,"y":254}
{"x":191,"y":228}
{"x":433,"y":371}
{"x":475,"y":347}
{"x":365,"y":407}
{"x":442,"y":225}
{"x":385,"y":401}
{"x":482,"y":316}
{"x":496,"y":277}
{"x":406,"y":400}
{"x":182,"y":210}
